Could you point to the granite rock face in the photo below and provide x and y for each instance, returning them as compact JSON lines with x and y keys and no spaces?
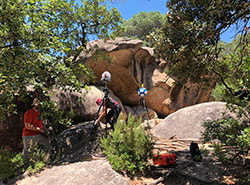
{"x":75,"y":138}
{"x":133,"y":65}
{"x":83,"y":104}
{"x":186,"y":123}
{"x":79,"y":173}
{"x":11,"y":127}
{"x":167,"y":96}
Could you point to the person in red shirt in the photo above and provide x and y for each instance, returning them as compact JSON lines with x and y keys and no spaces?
{"x":33,"y":131}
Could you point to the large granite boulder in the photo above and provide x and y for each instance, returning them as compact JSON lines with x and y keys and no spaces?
{"x":75,"y":141}
{"x":167,"y":96}
{"x":83,"y":104}
{"x":11,"y":127}
{"x":79,"y":173}
{"x":144,"y":112}
{"x":11,"y":132}
{"x":133,"y":65}
{"x":186,"y":123}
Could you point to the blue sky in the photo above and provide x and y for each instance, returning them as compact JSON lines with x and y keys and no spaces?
{"x":128,"y":8}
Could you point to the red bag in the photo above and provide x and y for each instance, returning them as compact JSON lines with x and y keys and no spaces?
{"x":164,"y":159}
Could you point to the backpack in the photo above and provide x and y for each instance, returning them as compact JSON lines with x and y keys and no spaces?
{"x":111,"y":103}
{"x":195,"y":151}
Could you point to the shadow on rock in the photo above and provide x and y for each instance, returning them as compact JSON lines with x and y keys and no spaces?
{"x":79,"y":142}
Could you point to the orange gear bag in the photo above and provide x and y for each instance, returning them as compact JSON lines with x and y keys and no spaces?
{"x":164,"y":159}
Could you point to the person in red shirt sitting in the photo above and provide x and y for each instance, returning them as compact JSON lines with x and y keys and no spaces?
{"x":33,"y":131}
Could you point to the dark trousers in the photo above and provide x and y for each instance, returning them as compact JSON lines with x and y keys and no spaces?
{"x":113,"y":115}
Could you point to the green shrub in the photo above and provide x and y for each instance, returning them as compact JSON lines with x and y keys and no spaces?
{"x":13,"y":164}
{"x":230,"y":137}
{"x":128,"y":147}
{"x":59,"y":119}
{"x":10,"y":164}
{"x":36,"y":167}
{"x":37,"y":159}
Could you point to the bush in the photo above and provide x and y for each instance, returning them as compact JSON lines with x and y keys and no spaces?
{"x":37,"y":159}
{"x":128,"y":147}
{"x":13,"y":164}
{"x":59,"y":119}
{"x":10,"y":164}
{"x":230,"y":136}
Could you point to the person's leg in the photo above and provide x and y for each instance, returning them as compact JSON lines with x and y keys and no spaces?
{"x":116,"y":113}
{"x":41,"y":139}
{"x":110,"y":118}
{"x":27,"y":141}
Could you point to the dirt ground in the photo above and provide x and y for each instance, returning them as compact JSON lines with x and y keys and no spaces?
{"x":186,"y":171}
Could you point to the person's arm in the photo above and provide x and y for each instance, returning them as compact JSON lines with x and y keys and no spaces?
{"x":102,"y":114}
{"x":29,"y":126}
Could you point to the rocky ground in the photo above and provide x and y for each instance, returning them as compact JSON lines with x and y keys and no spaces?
{"x":95,"y":169}
{"x":185,"y":171}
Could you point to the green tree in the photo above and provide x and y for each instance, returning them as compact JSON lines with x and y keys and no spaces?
{"x":189,"y":42}
{"x":143,"y":24}
{"x":233,"y":72}
{"x":191,"y":31}
{"x":37,"y":38}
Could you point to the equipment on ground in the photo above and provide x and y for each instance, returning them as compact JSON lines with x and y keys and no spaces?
{"x":164,"y":159}
{"x":195,"y":151}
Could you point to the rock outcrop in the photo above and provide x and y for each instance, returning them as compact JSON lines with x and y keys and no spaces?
{"x":144,"y":112}
{"x":133,"y":65}
{"x":83,"y":104}
{"x":166,"y":96}
{"x":74,"y":139}
{"x":11,"y":127}
{"x":79,"y":173}
{"x":186,"y":123}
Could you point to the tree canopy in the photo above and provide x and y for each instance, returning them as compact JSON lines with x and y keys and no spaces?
{"x":142,"y":24}
{"x":233,"y":69}
{"x":191,"y":31}
{"x":190,"y":42}
{"x":36,"y":36}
